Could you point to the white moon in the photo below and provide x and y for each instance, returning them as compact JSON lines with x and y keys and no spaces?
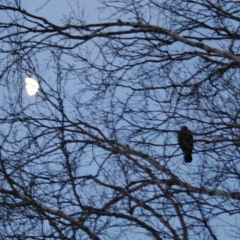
{"x":32,"y":86}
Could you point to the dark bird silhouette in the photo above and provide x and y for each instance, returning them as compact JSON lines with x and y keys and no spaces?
{"x":185,"y":141}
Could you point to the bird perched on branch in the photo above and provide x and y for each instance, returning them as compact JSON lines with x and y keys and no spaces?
{"x":185,"y":141}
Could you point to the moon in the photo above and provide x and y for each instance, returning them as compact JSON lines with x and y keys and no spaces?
{"x":32,"y":86}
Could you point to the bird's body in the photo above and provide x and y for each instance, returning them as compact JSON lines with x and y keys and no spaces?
{"x":185,"y":141}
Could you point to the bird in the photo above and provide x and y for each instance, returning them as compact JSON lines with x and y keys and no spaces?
{"x":185,"y":141}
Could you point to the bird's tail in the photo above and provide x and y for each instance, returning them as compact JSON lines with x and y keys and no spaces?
{"x":188,"y":157}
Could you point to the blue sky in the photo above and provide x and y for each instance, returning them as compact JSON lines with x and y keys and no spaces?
{"x":55,"y":9}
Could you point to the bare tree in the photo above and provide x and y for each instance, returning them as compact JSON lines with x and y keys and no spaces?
{"x":95,"y":154}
